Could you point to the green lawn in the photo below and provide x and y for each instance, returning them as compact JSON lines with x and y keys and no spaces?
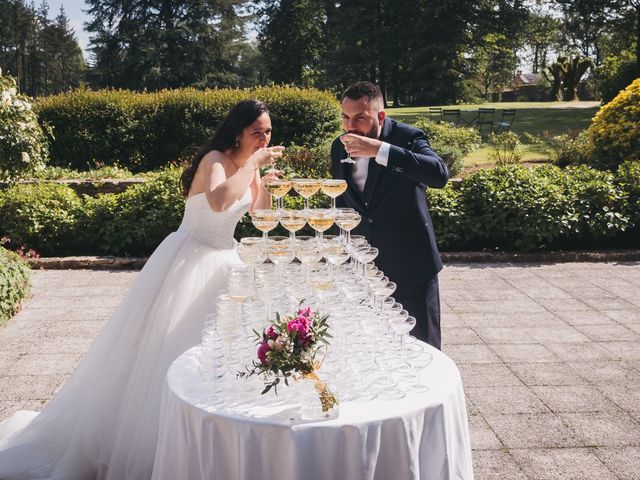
{"x":531,"y":117}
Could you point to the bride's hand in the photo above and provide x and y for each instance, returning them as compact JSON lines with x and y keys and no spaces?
{"x":266,"y":156}
{"x":272,"y":174}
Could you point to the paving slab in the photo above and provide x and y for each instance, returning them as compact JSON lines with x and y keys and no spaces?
{"x":549,"y":355}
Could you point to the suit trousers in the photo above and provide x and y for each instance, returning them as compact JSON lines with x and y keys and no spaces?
{"x":422,"y":301}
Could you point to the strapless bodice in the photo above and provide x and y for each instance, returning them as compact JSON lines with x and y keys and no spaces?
{"x":213,"y":228}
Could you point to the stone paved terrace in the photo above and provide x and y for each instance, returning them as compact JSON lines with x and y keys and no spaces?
{"x":549,"y":354}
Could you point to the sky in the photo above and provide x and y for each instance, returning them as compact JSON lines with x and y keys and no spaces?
{"x":74,"y":10}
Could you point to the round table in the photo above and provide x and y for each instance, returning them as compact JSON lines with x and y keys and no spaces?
{"x":422,"y":436}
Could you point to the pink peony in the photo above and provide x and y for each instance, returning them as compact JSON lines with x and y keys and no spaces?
{"x":262,"y":352}
{"x":301,"y":325}
{"x":271,"y":332}
{"x":306,"y":312}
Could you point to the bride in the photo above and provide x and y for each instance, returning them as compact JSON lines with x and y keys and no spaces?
{"x":103,"y":423}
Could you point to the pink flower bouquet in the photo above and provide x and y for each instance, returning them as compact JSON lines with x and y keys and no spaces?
{"x":289,"y":347}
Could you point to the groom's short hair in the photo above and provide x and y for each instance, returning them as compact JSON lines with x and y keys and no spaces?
{"x":365,"y":89}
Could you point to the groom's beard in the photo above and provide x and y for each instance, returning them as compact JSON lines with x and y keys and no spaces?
{"x":372,"y":133}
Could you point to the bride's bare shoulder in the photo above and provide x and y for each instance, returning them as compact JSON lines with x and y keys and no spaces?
{"x":215,"y":157}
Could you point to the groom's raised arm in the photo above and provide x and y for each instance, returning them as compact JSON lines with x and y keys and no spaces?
{"x":418,"y":161}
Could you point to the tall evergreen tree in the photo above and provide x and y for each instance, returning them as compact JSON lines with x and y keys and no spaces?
{"x":63,"y":60}
{"x":42,"y":54}
{"x":156,"y":44}
{"x":292,"y":39}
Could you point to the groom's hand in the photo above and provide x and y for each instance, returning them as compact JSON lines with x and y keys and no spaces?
{"x":360,"y":146}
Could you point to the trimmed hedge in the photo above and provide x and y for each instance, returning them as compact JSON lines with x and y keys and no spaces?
{"x":508,"y":208}
{"x":451,"y":142}
{"x":515,"y":208}
{"x":144,"y":131}
{"x":15,"y":283}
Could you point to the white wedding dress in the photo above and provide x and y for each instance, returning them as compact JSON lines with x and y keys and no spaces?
{"x":103,"y":423}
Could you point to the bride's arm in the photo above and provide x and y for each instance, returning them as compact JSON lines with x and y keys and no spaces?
{"x":261,"y":196}
{"x":221,"y":191}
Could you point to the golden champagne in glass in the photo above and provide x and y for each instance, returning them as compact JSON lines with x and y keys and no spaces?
{"x":321,"y":219}
{"x":333,"y":188}
{"x":292,"y":220}
{"x":306,"y":187}
{"x":265,"y":220}
{"x":278,"y":188}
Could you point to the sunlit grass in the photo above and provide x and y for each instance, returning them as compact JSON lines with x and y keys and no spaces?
{"x":531,"y":117}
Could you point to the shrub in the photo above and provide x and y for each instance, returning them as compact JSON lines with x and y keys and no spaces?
{"x":58,"y":173}
{"x":628,"y":180}
{"x":15,"y":282}
{"x":23,"y":146}
{"x":512,"y":207}
{"x":571,"y":148}
{"x":447,"y":216}
{"x":136,"y":221}
{"x":306,"y":162}
{"x":597,"y":204}
{"x":41,"y":216}
{"x":615,"y":129}
{"x":451,"y":142}
{"x":508,"y":208}
{"x":615,"y":74}
{"x":143,"y":131}
{"x":506,"y":148}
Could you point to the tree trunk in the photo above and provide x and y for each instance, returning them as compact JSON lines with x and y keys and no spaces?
{"x":382,"y":71}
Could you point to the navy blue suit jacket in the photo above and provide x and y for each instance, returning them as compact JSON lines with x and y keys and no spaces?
{"x":395,"y":217}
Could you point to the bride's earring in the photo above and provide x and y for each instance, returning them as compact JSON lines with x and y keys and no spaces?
{"x":237,"y":144}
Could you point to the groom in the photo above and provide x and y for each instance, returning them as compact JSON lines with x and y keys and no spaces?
{"x":386,"y":185}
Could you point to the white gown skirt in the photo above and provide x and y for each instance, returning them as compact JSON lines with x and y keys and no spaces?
{"x":103,"y":423}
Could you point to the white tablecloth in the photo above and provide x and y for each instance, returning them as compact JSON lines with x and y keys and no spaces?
{"x":420,"y":436}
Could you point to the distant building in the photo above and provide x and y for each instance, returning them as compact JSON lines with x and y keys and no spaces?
{"x":527,"y":87}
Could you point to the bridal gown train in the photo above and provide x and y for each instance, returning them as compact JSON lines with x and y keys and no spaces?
{"x":103,"y":423}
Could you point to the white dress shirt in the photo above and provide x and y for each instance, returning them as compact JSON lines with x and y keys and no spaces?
{"x":360,"y":169}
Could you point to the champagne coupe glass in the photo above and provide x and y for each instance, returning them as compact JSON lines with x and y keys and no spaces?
{"x":348,"y":159}
{"x":280,"y":251}
{"x":366,"y":255}
{"x":252,"y":252}
{"x":333,"y":188}
{"x":278,"y":188}
{"x":417,"y":361}
{"x":265,"y":220}
{"x":334,"y":250}
{"x":321,"y":219}
{"x":402,"y":324}
{"x":306,"y":187}
{"x":321,"y":281}
{"x":347,"y":219}
{"x":308,"y":251}
{"x":292,"y":220}
{"x":383,"y":289}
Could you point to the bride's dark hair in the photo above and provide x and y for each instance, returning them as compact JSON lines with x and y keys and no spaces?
{"x":240,"y":117}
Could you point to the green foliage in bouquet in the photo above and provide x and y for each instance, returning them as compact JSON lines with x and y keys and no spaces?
{"x":290,"y":346}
